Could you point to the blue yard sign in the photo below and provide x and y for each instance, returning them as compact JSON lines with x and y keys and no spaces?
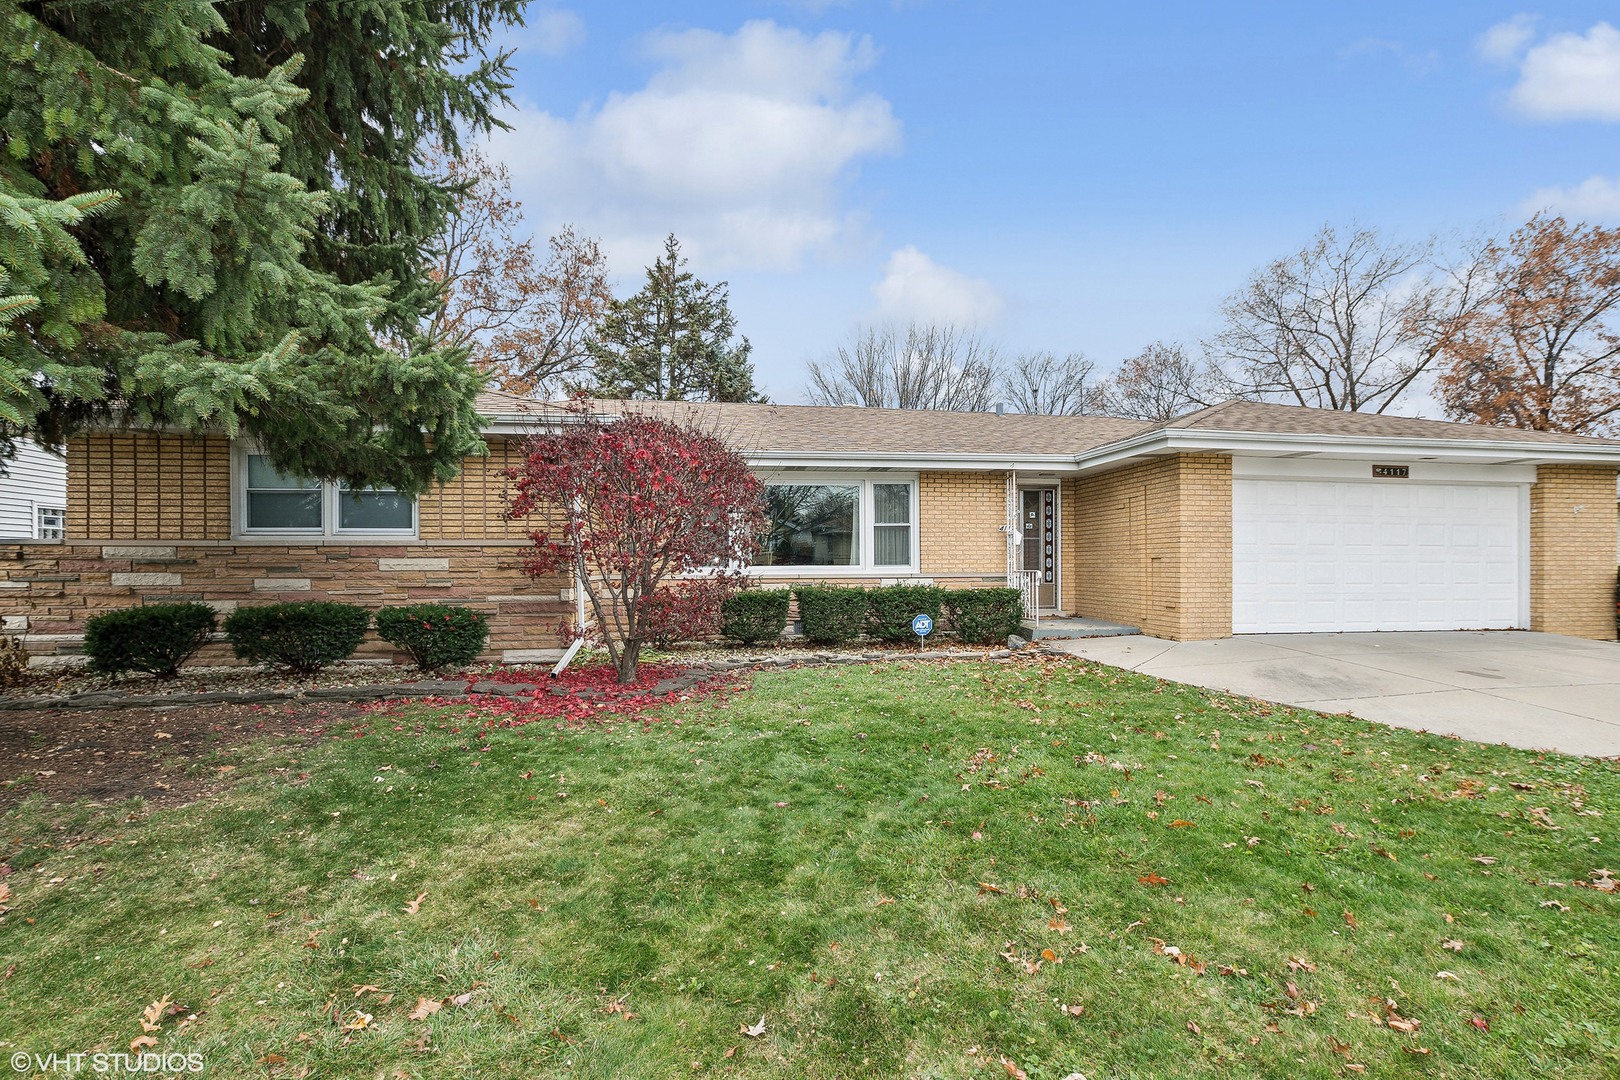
{"x":922,"y":626}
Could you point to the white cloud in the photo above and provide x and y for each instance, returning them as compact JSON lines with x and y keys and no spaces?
{"x":1597,"y":198}
{"x":917,"y":289}
{"x":551,"y":32}
{"x":739,"y":144}
{"x":1504,"y":42}
{"x":1571,"y":77}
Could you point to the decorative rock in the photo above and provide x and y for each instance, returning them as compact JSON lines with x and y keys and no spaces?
{"x":1014,"y":642}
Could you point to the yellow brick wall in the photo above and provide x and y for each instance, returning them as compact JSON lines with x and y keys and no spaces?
{"x":469,"y":507}
{"x":960,"y":515}
{"x":157,"y":486}
{"x":1150,"y":545}
{"x":1572,"y":550}
{"x":148,"y":486}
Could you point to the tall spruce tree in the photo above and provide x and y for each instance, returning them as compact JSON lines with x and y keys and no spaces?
{"x":673,"y":340}
{"x":211,"y":218}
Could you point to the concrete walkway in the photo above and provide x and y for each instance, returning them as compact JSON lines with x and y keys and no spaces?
{"x":1537,"y":691}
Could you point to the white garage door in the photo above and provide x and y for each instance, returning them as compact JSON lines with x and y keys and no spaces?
{"x":1311,"y":556}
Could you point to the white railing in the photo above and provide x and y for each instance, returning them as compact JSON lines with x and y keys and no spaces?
{"x":1028,"y":584}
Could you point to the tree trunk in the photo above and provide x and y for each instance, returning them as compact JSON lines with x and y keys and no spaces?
{"x":628,"y":659}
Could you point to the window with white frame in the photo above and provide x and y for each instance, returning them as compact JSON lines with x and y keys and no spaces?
{"x":855,"y":524}
{"x":52,"y":523}
{"x":273,"y":502}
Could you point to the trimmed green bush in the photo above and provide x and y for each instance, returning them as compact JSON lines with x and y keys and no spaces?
{"x":156,"y":638}
{"x":304,"y":636}
{"x":754,"y":616}
{"x":831,"y":614}
{"x":985,"y":616}
{"x":889,"y":610}
{"x":436,"y":635}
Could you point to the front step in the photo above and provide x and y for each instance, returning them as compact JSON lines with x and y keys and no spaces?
{"x":1061,"y":627}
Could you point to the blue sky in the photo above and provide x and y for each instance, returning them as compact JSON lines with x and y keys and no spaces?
{"x":1064,"y":176}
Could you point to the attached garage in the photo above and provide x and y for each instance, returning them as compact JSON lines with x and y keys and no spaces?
{"x":1327,"y":547}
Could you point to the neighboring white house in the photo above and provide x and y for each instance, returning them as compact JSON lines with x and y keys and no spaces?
{"x":33,"y":495}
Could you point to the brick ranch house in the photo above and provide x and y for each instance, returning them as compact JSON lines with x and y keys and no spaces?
{"x":1241,"y":518}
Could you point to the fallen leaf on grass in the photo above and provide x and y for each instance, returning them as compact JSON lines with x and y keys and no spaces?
{"x":1072,"y":1010}
{"x":1013,"y":1070}
{"x":1481,"y":1023}
{"x":425,"y":1007}
{"x":986,"y":887}
{"x":1453,"y":944}
{"x":1350,"y":920}
{"x":1558,"y":904}
{"x":141,"y":1042}
{"x":1051,"y":957}
{"x":1419,"y":1050}
{"x":1339,"y":1047}
{"x":413,"y":906}
{"x":361,"y":1021}
{"x":272,"y":1059}
{"x":152,"y":1015}
{"x":1059,"y":924}
{"x":1485,"y":860}
{"x":1543,"y":817}
{"x":1182,"y":823}
{"x":1446,"y":975}
{"x":754,"y":1031}
{"x":1194,"y":1028}
{"x":1153,"y":880}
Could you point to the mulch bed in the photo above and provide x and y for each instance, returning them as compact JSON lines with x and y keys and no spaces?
{"x":110,"y":756}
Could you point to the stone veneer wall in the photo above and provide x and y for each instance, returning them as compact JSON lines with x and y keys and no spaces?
{"x":49,"y":590}
{"x":1150,"y":545}
{"x":1572,"y":544}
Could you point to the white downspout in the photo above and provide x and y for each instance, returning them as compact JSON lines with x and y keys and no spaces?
{"x":579,"y":613}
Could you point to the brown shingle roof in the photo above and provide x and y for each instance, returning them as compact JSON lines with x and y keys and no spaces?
{"x":1264,"y":418}
{"x":500,"y":403}
{"x":844,"y":429}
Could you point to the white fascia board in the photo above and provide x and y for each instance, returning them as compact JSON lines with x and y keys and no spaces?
{"x":523,"y":424}
{"x":1505,"y":451}
{"x":1053,"y":463}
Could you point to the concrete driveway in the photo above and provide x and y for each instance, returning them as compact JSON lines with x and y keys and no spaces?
{"x":1537,"y":691}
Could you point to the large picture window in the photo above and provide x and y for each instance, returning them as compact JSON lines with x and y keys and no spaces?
{"x":854,"y":524}
{"x":273,"y":502}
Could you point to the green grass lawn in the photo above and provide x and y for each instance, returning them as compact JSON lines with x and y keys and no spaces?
{"x":913,"y":870}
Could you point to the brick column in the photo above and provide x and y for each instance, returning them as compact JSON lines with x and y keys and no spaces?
{"x":1573,"y":532}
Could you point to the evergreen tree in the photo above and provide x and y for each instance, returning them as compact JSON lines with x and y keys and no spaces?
{"x":673,"y":340}
{"x":211,"y":218}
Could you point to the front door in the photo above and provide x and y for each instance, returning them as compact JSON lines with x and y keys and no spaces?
{"x":1038,"y":522}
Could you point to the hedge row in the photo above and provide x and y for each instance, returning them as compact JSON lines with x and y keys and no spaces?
{"x":303,"y":637}
{"x":833,"y":615}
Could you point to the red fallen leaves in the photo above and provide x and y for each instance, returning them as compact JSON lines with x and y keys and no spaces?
{"x":1153,"y":880}
{"x":585,"y":695}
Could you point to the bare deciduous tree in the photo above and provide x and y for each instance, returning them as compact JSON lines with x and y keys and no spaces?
{"x":524,"y":317}
{"x":1346,"y":323}
{"x":930,"y":366}
{"x":1163,"y":382}
{"x":1047,"y":384}
{"x":1542,"y":350}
